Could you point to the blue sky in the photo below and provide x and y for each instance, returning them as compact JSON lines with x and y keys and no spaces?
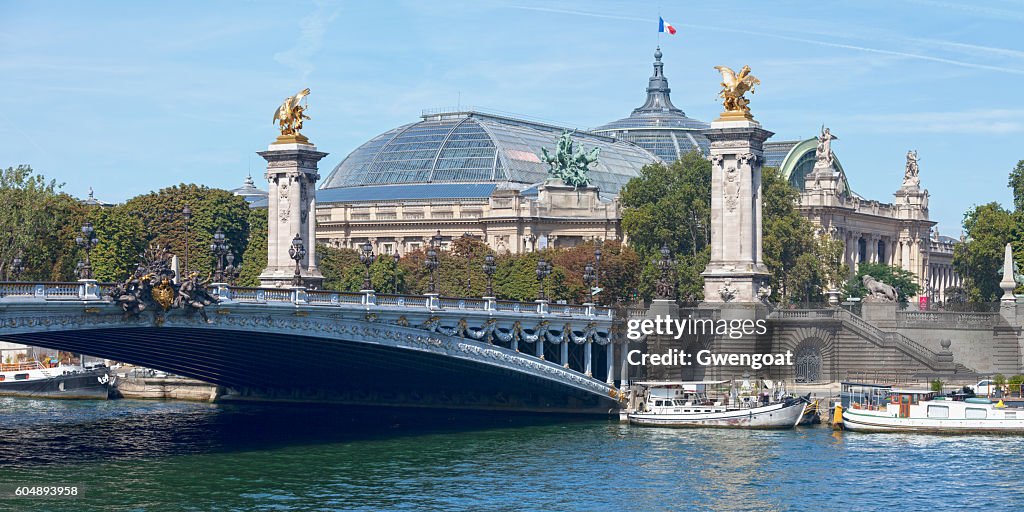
{"x":129,"y":97}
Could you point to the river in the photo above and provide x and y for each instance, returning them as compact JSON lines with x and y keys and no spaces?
{"x":138,"y":455}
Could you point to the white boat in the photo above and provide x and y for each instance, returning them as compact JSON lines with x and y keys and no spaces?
{"x":687,"y":404}
{"x":34,"y":379}
{"x":916,"y":410}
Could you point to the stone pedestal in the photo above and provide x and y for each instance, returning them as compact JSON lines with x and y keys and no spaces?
{"x":291,"y":210}
{"x":736,"y":270}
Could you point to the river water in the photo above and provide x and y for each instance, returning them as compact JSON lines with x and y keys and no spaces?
{"x":136,"y":455}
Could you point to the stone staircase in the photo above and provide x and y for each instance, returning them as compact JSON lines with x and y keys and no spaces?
{"x":934,"y":361}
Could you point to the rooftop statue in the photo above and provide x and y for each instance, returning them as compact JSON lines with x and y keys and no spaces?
{"x":289,"y":117}
{"x":569,"y":164}
{"x":910,"y":175}
{"x":734,"y":86}
{"x":823,"y":153}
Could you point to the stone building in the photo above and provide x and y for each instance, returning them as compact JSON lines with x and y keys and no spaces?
{"x":479,"y":174}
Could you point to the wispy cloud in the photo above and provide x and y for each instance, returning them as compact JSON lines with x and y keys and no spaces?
{"x":975,"y":9}
{"x":311,"y":37}
{"x":984,"y":121}
{"x":818,"y":42}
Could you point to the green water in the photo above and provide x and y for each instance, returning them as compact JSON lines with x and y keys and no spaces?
{"x":130,"y":455}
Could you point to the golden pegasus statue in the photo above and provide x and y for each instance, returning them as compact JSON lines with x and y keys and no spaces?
{"x":289,"y":117}
{"x":734,"y":86}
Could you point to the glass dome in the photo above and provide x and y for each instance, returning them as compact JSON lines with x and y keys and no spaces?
{"x":476,"y":147}
{"x":657,"y":125}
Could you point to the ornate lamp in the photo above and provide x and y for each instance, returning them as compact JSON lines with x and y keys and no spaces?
{"x":231,"y":271}
{"x":489,"y":269}
{"x":589,"y":276}
{"x":597,"y":270}
{"x":543,"y":271}
{"x":397,"y":257}
{"x":297,"y":252}
{"x":17,"y":265}
{"x":665,"y":286}
{"x":366,"y":257}
{"x":220,"y":248}
{"x":469,"y":261}
{"x":431,"y":262}
{"x":87,"y":242}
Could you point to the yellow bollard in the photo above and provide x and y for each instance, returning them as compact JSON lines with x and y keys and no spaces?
{"x":837,"y":418}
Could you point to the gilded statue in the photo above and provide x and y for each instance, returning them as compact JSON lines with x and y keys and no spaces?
{"x":569,"y":164}
{"x":289,"y":117}
{"x":734,"y":86}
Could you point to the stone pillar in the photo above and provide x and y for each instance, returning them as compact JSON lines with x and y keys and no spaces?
{"x":565,"y":353}
{"x":588,"y":358}
{"x":610,"y":362}
{"x":291,"y":176}
{"x":736,"y":269}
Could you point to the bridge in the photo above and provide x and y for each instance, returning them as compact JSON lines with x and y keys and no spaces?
{"x":294,"y":344}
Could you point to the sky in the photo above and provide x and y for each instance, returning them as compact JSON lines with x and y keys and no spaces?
{"x":129,"y":97}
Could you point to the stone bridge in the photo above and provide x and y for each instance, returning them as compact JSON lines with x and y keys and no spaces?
{"x":352,"y":348}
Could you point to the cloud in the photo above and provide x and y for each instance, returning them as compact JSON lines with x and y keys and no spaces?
{"x":311,"y":37}
{"x":980,"y":121}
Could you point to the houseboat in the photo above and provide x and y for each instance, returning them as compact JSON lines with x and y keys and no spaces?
{"x":695,"y":404}
{"x":37,"y":380}
{"x":917,"y":410}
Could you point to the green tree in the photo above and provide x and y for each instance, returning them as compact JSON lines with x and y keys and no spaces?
{"x":989,"y":227}
{"x":905,"y":282}
{"x":1017,"y":186}
{"x":40,"y":223}
{"x":254,"y":258}
{"x":121,"y":239}
{"x":669,"y":205}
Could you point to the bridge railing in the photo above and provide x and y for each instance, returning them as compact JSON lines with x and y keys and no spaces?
{"x":79,"y":290}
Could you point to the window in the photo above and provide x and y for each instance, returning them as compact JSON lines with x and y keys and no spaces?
{"x":21,"y":376}
{"x":975,"y":413}
{"x":1010,"y":415}
{"x":3,"y":378}
{"x":938,"y":411}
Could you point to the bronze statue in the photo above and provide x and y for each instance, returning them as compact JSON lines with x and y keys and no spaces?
{"x":569,"y":164}
{"x":734,"y":86}
{"x":193,"y":294}
{"x":152,"y":287}
{"x":289,"y":117}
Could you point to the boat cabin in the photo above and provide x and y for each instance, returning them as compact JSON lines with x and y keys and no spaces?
{"x":865,"y":395}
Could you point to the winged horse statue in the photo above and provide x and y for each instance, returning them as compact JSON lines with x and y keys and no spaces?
{"x":734,"y":86}
{"x":290,"y":114}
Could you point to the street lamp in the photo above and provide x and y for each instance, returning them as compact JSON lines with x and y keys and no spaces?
{"x":187,"y":213}
{"x":543,"y":271}
{"x":665,"y":288}
{"x":80,"y":269}
{"x":87,"y":242}
{"x":366,"y":257}
{"x":489,"y":269}
{"x":219,"y":248}
{"x":231,"y":271}
{"x":297,"y":252}
{"x":17,"y":265}
{"x":397,"y":257}
{"x":431,"y":262}
{"x":588,"y":277}
{"x":469,"y":262}
{"x":597,"y":270}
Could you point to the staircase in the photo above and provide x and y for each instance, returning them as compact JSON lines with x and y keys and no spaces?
{"x":927,"y":357}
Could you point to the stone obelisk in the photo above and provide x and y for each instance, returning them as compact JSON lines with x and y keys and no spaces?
{"x":291,"y":209}
{"x":736,"y":272}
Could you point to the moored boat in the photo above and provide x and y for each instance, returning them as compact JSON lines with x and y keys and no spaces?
{"x":36,"y":380}
{"x":916,"y":410}
{"x":689,"y":404}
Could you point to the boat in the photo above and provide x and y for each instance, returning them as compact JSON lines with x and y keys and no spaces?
{"x":688,"y":404}
{"x":34,"y":379}
{"x":919,"y":410}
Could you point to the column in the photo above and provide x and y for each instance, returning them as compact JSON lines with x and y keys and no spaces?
{"x":610,"y":361}
{"x":587,"y":355}
{"x":565,"y":353}
{"x":539,"y":349}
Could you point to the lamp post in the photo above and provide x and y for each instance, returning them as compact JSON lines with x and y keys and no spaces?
{"x":588,"y":277}
{"x":431,"y":262}
{"x":17,"y":266}
{"x":219,"y":247}
{"x":665,"y":288}
{"x":366,"y":257}
{"x":87,"y":242}
{"x":297,"y":252}
{"x":543,"y":271}
{"x":397,"y":257}
{"x":231,"y":271}
{"x":469,"y":262}
{"x":80,"y":269}
{"x":187,"y":213}
{"x":597,"y":271}
{"x":489,"y":269}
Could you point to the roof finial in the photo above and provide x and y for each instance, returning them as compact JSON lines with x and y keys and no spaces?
{"x":90,"y":193}
{"x":657,"y":89}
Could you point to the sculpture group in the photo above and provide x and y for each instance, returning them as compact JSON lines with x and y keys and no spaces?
{"x":152,"y":286}
{"x":570,"y":164}
{"x":734,"y":86}
{"x":290,"y":114}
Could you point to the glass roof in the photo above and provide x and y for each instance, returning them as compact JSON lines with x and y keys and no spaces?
{"x":657,"y":125}
{"x":461,"y":147}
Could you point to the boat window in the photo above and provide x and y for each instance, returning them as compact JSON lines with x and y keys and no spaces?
{"x":3,"y":378}
{"x":1011,"y":415}
{"x":938,"y":411}
{"x":976,"y":413}
{"x":680,"y":402}
{"x":20,"y":376}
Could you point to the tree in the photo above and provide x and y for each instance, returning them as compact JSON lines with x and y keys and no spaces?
{"x":40,"y":223}
{"x":669,"y":205}
{"x":254,"y":258}
{"x":989,"y":227}
{"x":121,"y":239}
{"x":904,"y":281}
{"x":1017,"y":186}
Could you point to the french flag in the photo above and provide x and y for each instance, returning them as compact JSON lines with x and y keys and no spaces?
{"x":664,"y":26}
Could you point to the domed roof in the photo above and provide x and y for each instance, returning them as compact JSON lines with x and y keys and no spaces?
{"x":657,"y":125}
{"x":476,"y":147}
{"x":249,"y":192}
